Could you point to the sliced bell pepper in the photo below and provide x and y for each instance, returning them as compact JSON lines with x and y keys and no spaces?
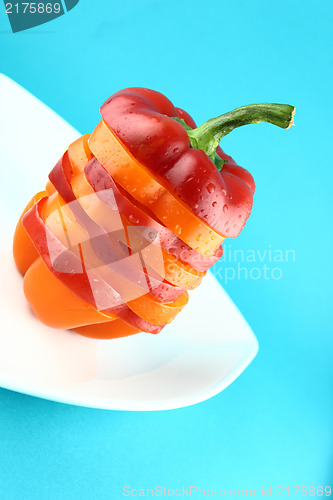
{"x":111,"y":330}
{"x":49,"y":188}
{"x":144,"y":122}
{"x":155,"y":312}
{"x":181,"y":274}
{"x":24,"y":250}
{"x":100,"y":241}
{"x":145,"y":306}
{"x":56,"y":306}
{"x":124,"y":276}
{"x":133,"y":216}
{"x":79,"y":154}
{"x":54,"y":303}
{"x":137,"y":215}
{"x":70,"y":271}
{"x":132,"y":176}
{"x":167,"y":176}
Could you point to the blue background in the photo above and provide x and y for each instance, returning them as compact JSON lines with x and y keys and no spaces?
{"x":273,"y":426}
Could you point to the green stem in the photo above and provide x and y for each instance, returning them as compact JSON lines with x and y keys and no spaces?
{"x":208,"y":136}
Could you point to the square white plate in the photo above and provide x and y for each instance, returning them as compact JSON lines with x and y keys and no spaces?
{"x":197,"y":356}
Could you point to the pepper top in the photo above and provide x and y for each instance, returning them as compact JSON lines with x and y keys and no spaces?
{"x":186,"y":159}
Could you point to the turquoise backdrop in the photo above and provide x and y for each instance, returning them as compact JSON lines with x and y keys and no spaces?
{"x":273,"y":426}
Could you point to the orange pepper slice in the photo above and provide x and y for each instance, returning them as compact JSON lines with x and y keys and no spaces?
{"x":79,"y":154}
{"x":24,"y":250}
{"x":181,"y":274}
{"x":140,"y":183}
{"x":69,"y":232}
{"x":176,"y":272}
{"x":56,"y":305}
{"x":148,"y":308}
{"x":49,"y":188}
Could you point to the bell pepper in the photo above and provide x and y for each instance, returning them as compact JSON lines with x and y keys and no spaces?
{"x":104,"y":245}
{"x":102,"y":181}
{"x":146,"y":187}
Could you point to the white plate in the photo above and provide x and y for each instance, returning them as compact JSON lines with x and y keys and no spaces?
{"x":197,"y":356}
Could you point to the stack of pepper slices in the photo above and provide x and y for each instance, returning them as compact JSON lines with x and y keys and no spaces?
{"x":134,"y":215}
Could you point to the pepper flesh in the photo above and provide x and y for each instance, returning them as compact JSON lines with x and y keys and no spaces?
{"x":54,"y":303}
{"x":162,"y":145}
{"x":145,"y":188}
{"x":166,"y":175}
{"x":24,"y":250}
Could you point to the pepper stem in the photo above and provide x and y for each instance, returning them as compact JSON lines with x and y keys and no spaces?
{"x":208,"y":136}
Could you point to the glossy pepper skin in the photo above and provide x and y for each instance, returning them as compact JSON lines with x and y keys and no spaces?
{"x":191,"y":194}
{"x":143,"y":121}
